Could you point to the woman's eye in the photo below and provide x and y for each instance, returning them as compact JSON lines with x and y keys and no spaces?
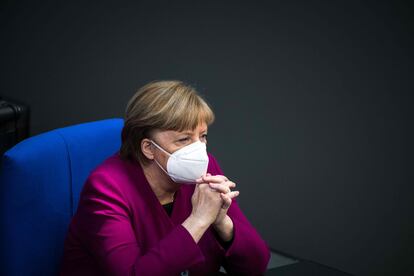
{"x":184,"y":139}
{"x":204,"y":136}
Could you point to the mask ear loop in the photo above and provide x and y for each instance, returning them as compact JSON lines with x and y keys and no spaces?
{"x":155,"y":144}
{"x":159,"y":165}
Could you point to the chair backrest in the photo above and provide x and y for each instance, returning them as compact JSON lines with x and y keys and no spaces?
{"x":40,"y":182}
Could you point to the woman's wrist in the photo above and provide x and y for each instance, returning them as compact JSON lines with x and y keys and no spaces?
{"x":196,"y":227}
{"x":225,"y":228}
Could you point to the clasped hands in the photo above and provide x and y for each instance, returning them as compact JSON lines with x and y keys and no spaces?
{"x":219,"y":189}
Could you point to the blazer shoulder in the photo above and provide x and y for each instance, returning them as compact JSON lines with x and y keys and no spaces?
{"x":113,"y":165}
{"x":115,"y":171}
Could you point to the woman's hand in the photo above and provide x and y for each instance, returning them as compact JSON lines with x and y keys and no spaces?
{"x":206,"y":204}
{"x":223,"y":224}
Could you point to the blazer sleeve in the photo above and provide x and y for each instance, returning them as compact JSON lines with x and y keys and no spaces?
{"x":104,"y":227}
{"x":248,"y":254}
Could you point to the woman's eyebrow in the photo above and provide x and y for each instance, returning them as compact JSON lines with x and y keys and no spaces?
{"x":188,"y":132}
{"x":185,"y":132}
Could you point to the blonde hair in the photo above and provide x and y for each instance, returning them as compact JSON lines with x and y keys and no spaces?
{"x":164,"y":105}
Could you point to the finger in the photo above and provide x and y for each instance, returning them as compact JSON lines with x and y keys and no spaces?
{"x":233,"y":194}
{"x":214,"y":178}
{"x":226,"y":201}
{"x":230,"y":184}
{"x":220,"y":188}
{"x":219,"y":179}
{"x":224,"y":177}
{"x":200,"y":179}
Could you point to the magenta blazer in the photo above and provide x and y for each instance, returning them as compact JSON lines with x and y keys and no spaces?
{"x":120,"y":228}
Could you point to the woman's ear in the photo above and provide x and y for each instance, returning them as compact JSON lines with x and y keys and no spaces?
{"x":147,"y":148}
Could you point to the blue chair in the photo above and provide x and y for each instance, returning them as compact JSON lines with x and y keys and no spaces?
{"x":40,"y":181}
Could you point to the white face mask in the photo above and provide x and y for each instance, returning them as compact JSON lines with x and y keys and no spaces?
{"x":186,"y":164}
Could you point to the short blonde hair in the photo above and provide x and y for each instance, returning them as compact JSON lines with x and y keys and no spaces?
{"x":163,"y":105}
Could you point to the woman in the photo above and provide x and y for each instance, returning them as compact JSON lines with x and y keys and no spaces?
{"x":161,"y":205}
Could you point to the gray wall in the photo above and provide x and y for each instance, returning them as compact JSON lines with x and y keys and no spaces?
{"x":313,"y":103}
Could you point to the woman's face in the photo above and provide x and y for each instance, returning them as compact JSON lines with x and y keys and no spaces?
{"x":172,"y":141}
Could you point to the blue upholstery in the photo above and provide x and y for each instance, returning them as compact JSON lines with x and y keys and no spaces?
{"x":40,"y":183}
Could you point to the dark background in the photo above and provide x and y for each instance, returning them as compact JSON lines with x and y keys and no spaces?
{"x":314,"y":104}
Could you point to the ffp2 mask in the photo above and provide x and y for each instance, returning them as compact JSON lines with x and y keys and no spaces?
{"x":187,"y":164}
